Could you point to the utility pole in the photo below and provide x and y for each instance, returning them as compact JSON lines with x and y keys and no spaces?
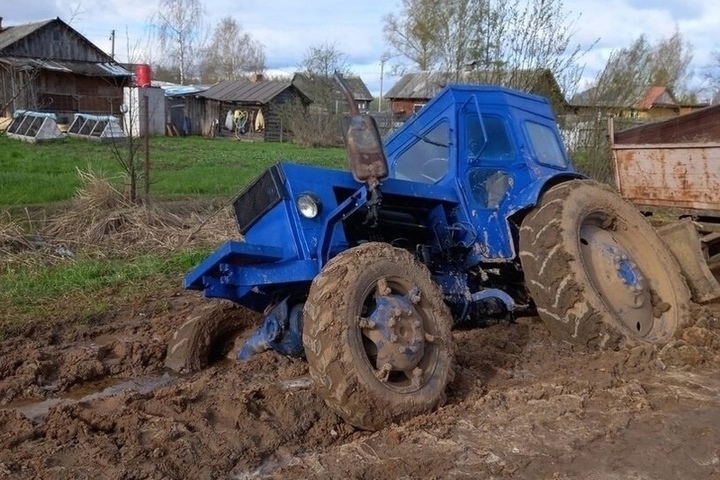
{"x":112,"y":38}
{"x":383,"y":59}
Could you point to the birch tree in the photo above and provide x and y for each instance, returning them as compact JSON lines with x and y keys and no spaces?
{"x":232,"y":53}
{"x":178,"y":25}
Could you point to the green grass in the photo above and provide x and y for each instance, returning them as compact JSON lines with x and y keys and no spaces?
{"x":86,"y":286}
{"x":32,"y":174}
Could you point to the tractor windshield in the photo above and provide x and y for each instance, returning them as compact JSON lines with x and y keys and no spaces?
{"x":426,"y":160}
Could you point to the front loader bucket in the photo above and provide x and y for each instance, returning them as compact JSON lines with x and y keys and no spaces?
{"x":684,"y":242}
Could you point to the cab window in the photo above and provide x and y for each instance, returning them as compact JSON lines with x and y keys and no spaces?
{"x":493,"y":144}
{"x":427,"y":159}
{"x":546,"y":145}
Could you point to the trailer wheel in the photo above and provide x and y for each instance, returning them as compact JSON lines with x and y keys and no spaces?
{"x":377,"y":336}
{"x":206,"y":336}
{"x":598,"y":272}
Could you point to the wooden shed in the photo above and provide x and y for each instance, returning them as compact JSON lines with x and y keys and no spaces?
{"x":186,"y":112}
{"x":47,"y":66}
{"x":255,"y":97}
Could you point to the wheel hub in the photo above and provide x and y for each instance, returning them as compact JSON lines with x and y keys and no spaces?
{"x":396,"y":330}
{"x":617,"y":278}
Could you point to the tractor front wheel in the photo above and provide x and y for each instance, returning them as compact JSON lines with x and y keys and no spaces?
{"x":208,"y":334}
{"x":377,"y":336}
{"x":598,"y":272}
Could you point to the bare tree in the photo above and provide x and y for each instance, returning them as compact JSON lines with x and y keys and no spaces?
{"x":318,"y":124}
{"x":178,"y":25}
{"x":324,"y":59}
{"x":500,"y":41}
{"x":642,"y":65}
{"x":319,"y":64}
{"x":413,"y":33}
{"x":711,"y":76}
{"x":231,"y":53}
{"x":625,"y":79}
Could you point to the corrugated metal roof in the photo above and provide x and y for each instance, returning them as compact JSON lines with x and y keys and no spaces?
{"x":419,"y":86}
{"x":308,"y":84}
{"x":90,"y":69}
{"x":172,"y":90}
{"x":245,"y":91}
{"x":10,"y":35}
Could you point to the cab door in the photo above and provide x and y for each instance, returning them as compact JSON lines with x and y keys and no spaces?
{"x":490,"y":161}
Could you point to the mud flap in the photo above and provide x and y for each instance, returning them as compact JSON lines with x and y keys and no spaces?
{"x":683,"y":240}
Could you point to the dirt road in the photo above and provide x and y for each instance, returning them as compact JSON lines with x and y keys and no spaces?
{"x":95,"y":402}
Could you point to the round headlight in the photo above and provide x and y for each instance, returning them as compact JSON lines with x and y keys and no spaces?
{"x":308,"y":205}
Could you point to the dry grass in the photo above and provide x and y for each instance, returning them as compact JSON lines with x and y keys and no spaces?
{"x":102,"y":222}
{"x":101,"y":215}
{"x":12,"y":235}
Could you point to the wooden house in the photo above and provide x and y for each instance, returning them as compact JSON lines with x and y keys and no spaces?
{"x":414,"y":90}
{"x":324,"y":92}
{"x":585,"y":124}
{"x":643,"y":103}
{"x":47,"y":66}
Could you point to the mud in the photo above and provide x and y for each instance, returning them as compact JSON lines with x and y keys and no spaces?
{"x":522,"y":405}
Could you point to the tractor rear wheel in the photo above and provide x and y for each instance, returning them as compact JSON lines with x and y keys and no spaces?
{"x":377,"y":336}
{"x":208,"y":334}
{"x":598,"y":272}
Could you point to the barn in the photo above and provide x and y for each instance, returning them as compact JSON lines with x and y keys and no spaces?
{"x":47,"y":66}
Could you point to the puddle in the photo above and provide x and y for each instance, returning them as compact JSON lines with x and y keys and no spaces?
{"x":296,"y":383}
{"x":36,"y":411}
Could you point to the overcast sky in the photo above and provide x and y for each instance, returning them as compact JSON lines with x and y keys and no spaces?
{"x":288,"y":27}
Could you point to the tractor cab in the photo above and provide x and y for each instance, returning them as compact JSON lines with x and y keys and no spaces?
{"x":496,"y":147}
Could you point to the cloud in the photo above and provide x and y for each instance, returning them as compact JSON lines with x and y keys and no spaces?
{"x":16,"y":12}
{"x":288,"y":27}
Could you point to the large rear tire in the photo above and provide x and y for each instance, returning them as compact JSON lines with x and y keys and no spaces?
{"x":598,"y":272}
{"x":377,"y":336}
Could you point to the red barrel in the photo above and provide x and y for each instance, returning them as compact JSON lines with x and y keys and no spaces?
{"x":143,"y":75}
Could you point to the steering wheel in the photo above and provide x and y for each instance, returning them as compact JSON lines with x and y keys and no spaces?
{"x":434,"y":169}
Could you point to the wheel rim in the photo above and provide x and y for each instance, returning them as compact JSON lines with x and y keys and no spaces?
{"x":617,"y":278}
{"x":397,"y":336}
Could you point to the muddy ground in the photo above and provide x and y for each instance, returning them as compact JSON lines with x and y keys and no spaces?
{"x":96,"y":402}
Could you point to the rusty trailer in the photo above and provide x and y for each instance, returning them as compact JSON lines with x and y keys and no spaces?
{"x":683,"y":177}
{"x":676,"y":181}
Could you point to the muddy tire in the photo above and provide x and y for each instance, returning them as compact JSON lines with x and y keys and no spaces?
{"x":341,"y":344}
{"x":205,"y":336}
{"x":598,"y":272}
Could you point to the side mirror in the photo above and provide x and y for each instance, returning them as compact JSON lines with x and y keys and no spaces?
{"x":363,"y":143}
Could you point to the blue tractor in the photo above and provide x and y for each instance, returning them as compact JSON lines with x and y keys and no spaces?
{"x":470,"y":213}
